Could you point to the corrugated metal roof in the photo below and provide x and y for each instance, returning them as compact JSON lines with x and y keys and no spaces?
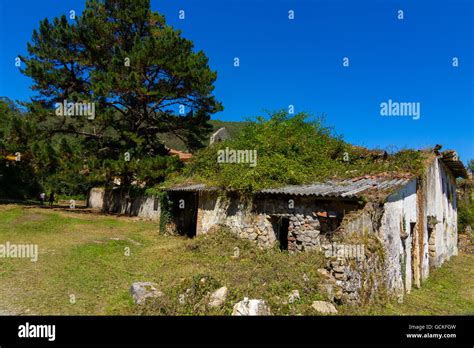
{"x":451,"y":159}
{"x":191,"y":188}
{"x":351,"y":188}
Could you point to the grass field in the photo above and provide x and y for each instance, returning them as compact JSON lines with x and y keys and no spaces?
{"x":88,"y":261}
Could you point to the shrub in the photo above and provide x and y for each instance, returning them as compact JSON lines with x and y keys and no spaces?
{"x":290,"y":150}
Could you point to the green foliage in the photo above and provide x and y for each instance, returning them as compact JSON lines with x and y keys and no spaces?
{"x":165,"y":211}
{"x":65,"y":197}
{"x":60,"y":165}
{"x":267,"y":274}
{"x":465,"y":214}
{"x":16,"y":180}
{"x":291,"y":150}
{"x":470,"y":165}
{"x":92,"y":265}
{"x":137,"y":71}
{"x":465,"y":204}
{"x":57,"y":163}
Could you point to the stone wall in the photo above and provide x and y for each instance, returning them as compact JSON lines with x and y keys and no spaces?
{"x":146,"y":207}
{"x":357,"y":276}
{"x":303,"y":233}
{"x":417,"y":229}
{"x":95,"y":199}
{"x":353,"y":281}
{"x":119,"y":202}
{"x":217,"y":209}
{"x":258,"y":219}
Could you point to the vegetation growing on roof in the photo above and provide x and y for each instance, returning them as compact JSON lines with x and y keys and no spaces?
{"x":292,"y":150}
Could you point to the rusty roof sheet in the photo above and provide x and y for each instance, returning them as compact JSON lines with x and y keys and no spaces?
{"x":451,"y":159}
{"x":347,"y":189}
{"x":183,"y":156}
{"x":351,"y":188}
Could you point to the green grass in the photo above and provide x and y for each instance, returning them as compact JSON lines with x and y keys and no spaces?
{"x":448,"y":290}
{"x":84,"y":255}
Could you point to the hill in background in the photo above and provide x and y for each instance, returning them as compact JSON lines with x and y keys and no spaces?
{"x":173,"y":142}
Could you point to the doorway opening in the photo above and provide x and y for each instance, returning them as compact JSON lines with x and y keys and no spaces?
{"x":280,"y":226}
{"x":184,"y":212}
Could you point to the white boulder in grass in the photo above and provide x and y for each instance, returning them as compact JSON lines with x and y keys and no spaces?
{"x":294,"y":296}
{"x":251,"y":307}
{"x":142,"y":290}
{"x":324,"y":307}
{"x":218,"y":297}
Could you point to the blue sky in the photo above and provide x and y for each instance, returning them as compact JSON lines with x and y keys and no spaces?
{"x":299,"y":62}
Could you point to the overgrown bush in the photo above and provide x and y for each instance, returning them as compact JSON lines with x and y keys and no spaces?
{"x":465,"y":205}
{"x":265,"y":274}
{"x":290,"y":150}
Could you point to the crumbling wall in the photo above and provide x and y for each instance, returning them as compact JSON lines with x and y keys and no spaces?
{"x":381,"y":233}
{"x":120,"y":202}
{"x":95,"y":198}
{"x":413,"y":229}
{"x":441,"y":216}
{"x":397,"y":233}
{"x":146,"y":207}
{"x":355,"y":266}
{"x":358,"y":278}
{"x":303,"y":233}
{"x":311,"y":221}
{"x":234,"y":212}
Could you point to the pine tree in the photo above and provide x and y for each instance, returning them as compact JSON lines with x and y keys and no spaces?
{"x":143,"y":76}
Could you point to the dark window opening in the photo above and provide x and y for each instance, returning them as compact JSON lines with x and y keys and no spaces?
{"x":412,"y":228}
{"x":430,"y":232}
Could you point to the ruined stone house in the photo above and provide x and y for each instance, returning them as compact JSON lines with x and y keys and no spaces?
{"x":404,"y":225}
{"x":413,"y":218}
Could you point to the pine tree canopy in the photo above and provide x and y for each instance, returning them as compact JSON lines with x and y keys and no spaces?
{"x":142,"y":76}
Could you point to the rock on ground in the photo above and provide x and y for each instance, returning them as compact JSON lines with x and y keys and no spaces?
{"x":324,"y":272}
{"x":465,"y":243}
{"x":142,"y":290}
{"x":294,"y":296}
{"x":251,"y":307}
{"x":218,"y":297}
{"x":324,"y":307}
